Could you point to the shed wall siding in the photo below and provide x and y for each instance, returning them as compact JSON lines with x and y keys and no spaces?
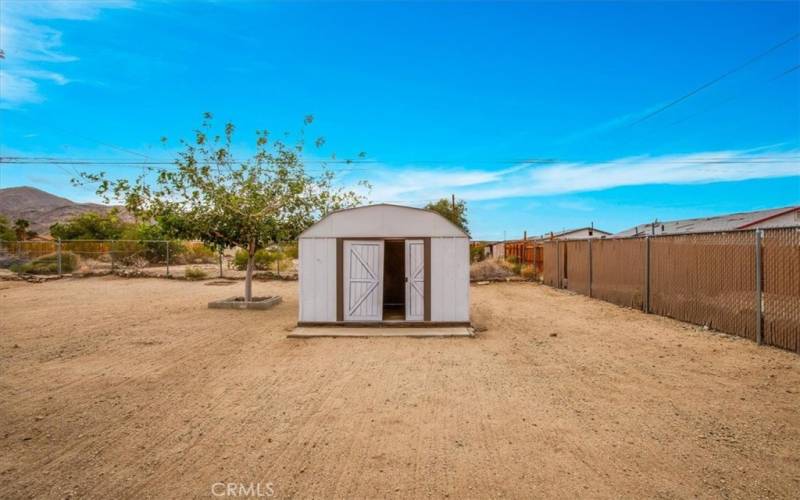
{"x":317,"y":276}
{"x":449,"y":279}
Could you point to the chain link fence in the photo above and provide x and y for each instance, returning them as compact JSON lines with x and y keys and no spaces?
{"x":780,"y":256}
{"x":706,"y":279}
{"x":158,"y":258}
{"x":746,"y":283}
{"x":618,"y":271}
{"x":550,"y":263}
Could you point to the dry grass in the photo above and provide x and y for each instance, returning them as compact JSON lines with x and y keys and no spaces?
{"x":490,"y":269}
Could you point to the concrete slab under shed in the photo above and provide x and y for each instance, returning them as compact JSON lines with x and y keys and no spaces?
{"x":302,"y":332}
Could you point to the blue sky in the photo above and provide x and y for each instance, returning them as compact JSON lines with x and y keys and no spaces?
{"x":444,"y":97}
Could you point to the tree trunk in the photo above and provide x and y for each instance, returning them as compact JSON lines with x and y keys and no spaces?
{"x":248,"y":278}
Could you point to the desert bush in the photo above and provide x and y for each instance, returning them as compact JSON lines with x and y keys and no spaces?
{"x":6,"y":231}
{"x":528,"y":272}
{"x":156,"y":251}
{"x":91,"y":226}
{"x":11,"y":262}
{"x":137,"y":262}
{"x":477,"y":253}
{"x":290,"y":250}
{"x":195,"y":273}
{"x":263,"y":259}
{"x":127,"y":253}
{"x":198,"y":253}
{"x":48,"y":264}
{"x":150,"y":244}
{"x":489,"y":269}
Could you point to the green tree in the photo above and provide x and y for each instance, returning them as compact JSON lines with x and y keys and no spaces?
{"x":248,"y":203}
{"x":453,"y":210}
{"x":21,"y":229}
{"x":154,"y":240}
{"x":91,"y":226}
{"x":6,"y":231}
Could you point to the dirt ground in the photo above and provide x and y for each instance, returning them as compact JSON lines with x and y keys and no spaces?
{"x":133,"y":388}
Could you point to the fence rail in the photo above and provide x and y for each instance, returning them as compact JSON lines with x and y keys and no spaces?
{"x":745,"y":283}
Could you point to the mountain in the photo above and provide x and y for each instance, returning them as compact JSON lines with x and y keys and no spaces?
{"x":43,"y":209}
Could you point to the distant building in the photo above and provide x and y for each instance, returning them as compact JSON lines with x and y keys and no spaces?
{"x":775,"y":217}
{"x":581,"y":233}
{"x":485,"y":245}
{"x":500,"y":249}
{"x":497,"y":249}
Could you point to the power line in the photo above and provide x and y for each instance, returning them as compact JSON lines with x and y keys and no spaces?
{"x":731,"y":97}
{"x":715,"y":80}
{"x":91,"y":139}
{"x":781,"y":75}
{"x":82,"y":161}
{"x":35,"y":161}
{"x":96,"y":161}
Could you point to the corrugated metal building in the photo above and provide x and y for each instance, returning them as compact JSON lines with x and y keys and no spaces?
{"x":384,"y":263}
{"x":759,"y":219}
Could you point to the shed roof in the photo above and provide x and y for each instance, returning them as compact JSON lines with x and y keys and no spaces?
{"x":383,"y":221}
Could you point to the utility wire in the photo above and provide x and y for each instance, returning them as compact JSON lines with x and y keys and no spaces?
{"x":91,"y":139}
{"x":731,"y":97}
{"x":715,"y":80}
{"x":34,"y":161}
{"x":96,"y":161}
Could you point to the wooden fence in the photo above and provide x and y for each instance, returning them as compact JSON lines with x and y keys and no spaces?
{"x":526,"y":252}
{"x":745,"y":283}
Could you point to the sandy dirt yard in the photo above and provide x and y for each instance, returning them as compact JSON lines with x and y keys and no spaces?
{"x":114,"y":388}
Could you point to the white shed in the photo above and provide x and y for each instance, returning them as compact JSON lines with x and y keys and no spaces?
{"x":384,"y":263}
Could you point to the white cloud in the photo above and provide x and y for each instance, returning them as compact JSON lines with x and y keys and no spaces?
{"x":417,"y":184}
{"x":28,"y":43}
{"x":16,"y":89}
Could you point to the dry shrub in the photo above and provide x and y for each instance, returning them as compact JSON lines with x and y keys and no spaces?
{"x":490,"y":269}
{"x":528,"y":272}
{"x":48,"y":264}
{"x":197,"y":253}
{"x":195,"y":273}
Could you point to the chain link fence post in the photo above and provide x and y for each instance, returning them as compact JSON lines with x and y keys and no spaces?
{"x":279,"y":254}
{"x":558,"y":264}
{"x":590,"y":267}
{"x":759,"y":294}
{"x":58,"y":256}
{"x":647,"y":274}
{"x":220,"y":265}
{"x":167,"y":258}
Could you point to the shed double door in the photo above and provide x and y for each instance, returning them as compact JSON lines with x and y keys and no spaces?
{"x":363,"y":280}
